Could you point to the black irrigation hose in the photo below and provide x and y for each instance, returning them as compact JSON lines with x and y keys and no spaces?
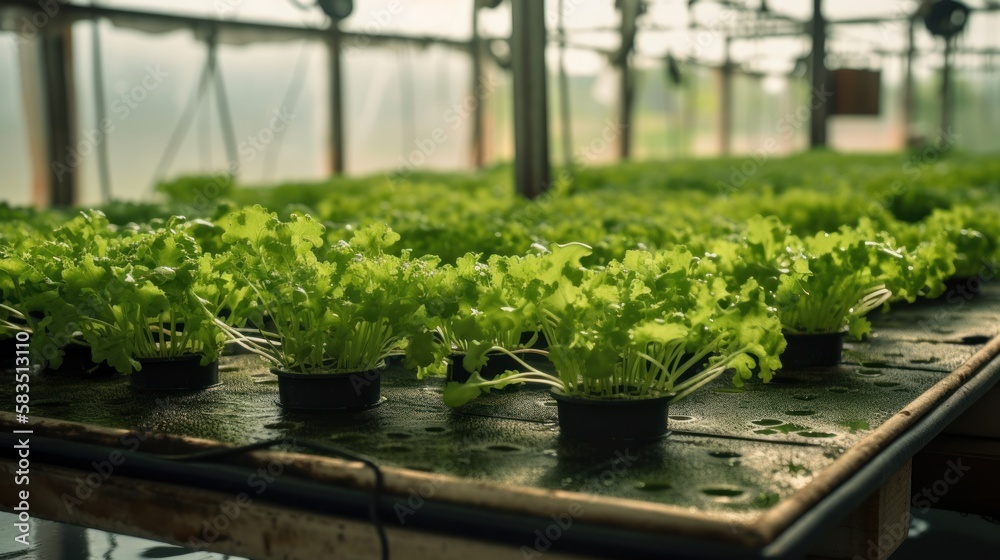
{"x":470,"y":522}
{"x":745,"y":438}
{"x":377,"y":488}
{"x":501,"y":417}
{"x":507,"y":527}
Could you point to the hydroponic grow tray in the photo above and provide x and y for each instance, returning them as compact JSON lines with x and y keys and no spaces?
{"x":757,"y":472}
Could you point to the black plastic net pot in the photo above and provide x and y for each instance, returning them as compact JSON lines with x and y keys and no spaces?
{"x":329,"y":392}
{"x":965,"y":287}
{"x":395,"y":359}
{"x":8,"y":353}
{"x":812,"y":350}
{"x":78,"y":360}
{"x":598,"y":420}
{"x":541,"y":343}
{"x":496,"y":364}
{"x":180,"y":373}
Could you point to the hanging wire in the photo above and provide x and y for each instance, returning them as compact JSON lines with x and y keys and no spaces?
{"x":443,"y":83}
{"x":991,"y":90}
{"x":100,"y":111}
{"x":187,"y":116}
{"x":304,"y":6}
{"x":407,"y":107}
{"x":690,"y":115}
{"x":226,"y":123}
{"x":564,"y":107}
{"x":109,"y":554}
{"x":378,"y":488}
{"x":290,"y":102}
{"x":205,"y":135}
{"x":671,"y":133}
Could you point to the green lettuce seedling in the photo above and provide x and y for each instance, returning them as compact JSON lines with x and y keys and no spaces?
{"x":126,"y":294}
{"x":330,"y":309}
{"x":637,"y":328}
{"x":474,"y":304}
{"x":825,"y":283}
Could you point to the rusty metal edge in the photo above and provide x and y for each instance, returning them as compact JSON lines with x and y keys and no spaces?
{"x":616,"y":512}
{"x":783,"y":515}
{"x":266,"y":531}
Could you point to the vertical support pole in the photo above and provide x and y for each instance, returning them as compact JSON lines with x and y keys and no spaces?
{"x":101,"y":112}
{"x":225,"y":116}
{"x":531,"y":116}
{"x":947,"y":91}
{"x":59,"y":183}
{"x":478,"y":155}
{"x":819,"y":78}
{"x":625,"y":98}
{"x":689,"y":117}
{"x":878,"y":525}
{"x":726,"y":102}
{"x":626,"y":93}
{"x":564,"y":112}
{"x":908,"y":97}
{"x":336,"y":101}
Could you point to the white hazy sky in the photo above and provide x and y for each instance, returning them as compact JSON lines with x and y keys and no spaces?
{"x":382,"y":110}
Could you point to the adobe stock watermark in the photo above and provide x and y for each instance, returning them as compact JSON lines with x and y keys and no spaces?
{"x":903,"y":13}
{"x":31,"y":25}
{"x":891,"y":535}
{"x":787,"y":126}
{"x":122,"y":107}
{"x":926,"y":497}
{"x":416,"y":499}
{"x":707,"y":35}
{"x":375,"y":23}
{"x":532,"y":210}
{"x":922,"y":500}
{"x":105,"y":469}
{"x":545,"y":537}
{"x":590,"y":152}
{"x":255,"y":144}
{"x":569,"y":8}
{"x":226,"y":8}
{"x":364,"y":379}
{"x":60,"y":335}
{"x":960,"y":295}
{"x":230,"y":509}
{"x":913,"y":168}
{"x":249,"y":149}
{"x":453,"y":117}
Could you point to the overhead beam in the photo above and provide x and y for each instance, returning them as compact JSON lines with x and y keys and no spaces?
{"x":478,"y":152}
{"x":900,"y":18}
{"x":739,"y":6}
{"x":227,"y":32}
{"x":531,"y":117}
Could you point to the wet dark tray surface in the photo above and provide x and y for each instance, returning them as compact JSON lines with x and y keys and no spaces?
{"x":733,"y":453}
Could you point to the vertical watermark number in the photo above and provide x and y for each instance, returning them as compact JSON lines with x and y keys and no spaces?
{"x":22,"y":380}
